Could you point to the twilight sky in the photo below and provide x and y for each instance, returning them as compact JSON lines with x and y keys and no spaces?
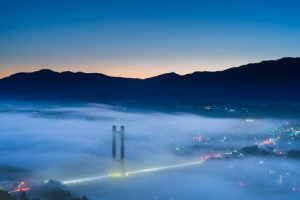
{"x":142,"y":38}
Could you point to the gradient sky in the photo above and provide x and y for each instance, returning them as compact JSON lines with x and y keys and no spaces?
{"x":143,"y":38}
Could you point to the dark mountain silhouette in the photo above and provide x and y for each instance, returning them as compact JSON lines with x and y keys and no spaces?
{"x":266,"y":82}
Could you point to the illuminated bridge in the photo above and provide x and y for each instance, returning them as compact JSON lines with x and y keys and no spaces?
{"x":118,"y":143}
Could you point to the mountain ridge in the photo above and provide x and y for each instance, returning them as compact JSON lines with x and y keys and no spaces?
{"x":267,"y":81}
{"x":46,"y":70}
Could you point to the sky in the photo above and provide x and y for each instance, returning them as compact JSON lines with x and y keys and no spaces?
{"x":143,"y":38}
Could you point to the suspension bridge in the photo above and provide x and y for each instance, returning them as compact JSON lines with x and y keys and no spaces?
{"x":118,"y":155}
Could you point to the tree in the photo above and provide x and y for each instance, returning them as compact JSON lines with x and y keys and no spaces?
{"x":78,"y":198}
{"x":57,"y":194}
{"x":23,"y":196}
{"x":4,"y":195}
{"x":61,"y":194}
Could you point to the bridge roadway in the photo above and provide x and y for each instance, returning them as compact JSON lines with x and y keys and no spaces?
{"x":139,"y":171}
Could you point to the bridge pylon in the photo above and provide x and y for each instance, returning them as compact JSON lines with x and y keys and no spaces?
{"x":121,"y":135}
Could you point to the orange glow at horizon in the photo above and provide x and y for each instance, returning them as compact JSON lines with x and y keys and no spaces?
{"x":125,"y":72}
{"x":5,"y":72}
{"x":129,"y":69}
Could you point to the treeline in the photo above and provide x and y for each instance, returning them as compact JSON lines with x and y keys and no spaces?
{"x":54,"y":194}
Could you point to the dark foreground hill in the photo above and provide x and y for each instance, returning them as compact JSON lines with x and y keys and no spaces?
{"x":266,"y":82}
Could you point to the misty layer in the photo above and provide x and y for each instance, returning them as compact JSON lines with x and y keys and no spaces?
{"x":64,"y":142}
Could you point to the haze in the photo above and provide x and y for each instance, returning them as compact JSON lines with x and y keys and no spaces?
{"x":65,"y":142}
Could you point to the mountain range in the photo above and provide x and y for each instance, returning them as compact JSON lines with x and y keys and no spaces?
{"x":275,"y":81}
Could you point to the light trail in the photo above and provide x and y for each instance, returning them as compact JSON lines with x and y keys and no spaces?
{"x":74,"y":181}
{"x":135,"y":172}
{"x":149,"y":170}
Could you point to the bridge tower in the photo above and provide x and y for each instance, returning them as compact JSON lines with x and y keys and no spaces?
{"x":121,"y":135}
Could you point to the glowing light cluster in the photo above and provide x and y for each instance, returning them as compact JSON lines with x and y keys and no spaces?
{"x":206,"y":157}
{"x":197,"y":138}
{"x":22,"y":187}
{"x":117,"y":174}
{"x":294,"y":133}
{"x":270,"y":141}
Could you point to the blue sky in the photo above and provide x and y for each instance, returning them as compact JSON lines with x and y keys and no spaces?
{"x":144,"y":38}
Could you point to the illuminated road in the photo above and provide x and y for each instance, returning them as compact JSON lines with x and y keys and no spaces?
{"x":135,"y":172}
